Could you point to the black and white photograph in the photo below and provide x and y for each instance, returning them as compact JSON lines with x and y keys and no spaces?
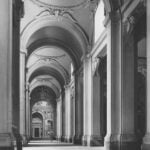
{"x":74,"y":74}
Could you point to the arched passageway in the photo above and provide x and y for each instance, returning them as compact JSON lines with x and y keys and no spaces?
{"x":75,"y":72}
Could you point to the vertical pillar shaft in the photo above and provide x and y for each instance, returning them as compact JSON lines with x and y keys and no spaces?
{"x":87,"y":102}
{"x":97,"y":138}
{"x":27,"y":111}
{"x":22,"y":96}
{"x":9,"y":74}
{"x":63,"y":115}
{"x":120,"y":89}
{"x":29,"y":118}
{"x":78,"y":108}
{"x":68,"y":137}
{"x":59,"y":119}
{"x":146,"y":140}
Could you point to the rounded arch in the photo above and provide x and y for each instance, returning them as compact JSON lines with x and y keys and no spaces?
{"x":49,"y":95}
{"x":50,"y":42}
{"x":54,"y":24}
{"x":47,"y":84}
{"x":46,"y":70}
{"x":37,"y":114}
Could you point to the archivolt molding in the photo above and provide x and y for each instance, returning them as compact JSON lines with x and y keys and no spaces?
{"x":46,"y":78}
{"x":74,"y":54}
{"x":49,"y":60}
{"x":53,"y":21}
{"x":47,"y":83}
{"x":132,"y":14}
{"x":37,"y":111}
{"x":80,"y":5}
{"x":51,"y":64}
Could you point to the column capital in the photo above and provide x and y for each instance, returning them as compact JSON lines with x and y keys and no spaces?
{"x":66,"y":86}
{"x":78,"y":72}
{"x":23,"y":52}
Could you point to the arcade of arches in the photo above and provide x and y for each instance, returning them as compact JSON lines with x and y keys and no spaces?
{"x":75,"y":71}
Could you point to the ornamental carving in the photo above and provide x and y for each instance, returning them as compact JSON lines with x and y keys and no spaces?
{"x":95,"y":64}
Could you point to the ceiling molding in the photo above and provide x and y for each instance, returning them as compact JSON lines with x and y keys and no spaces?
{"x":49,"y":64}
{"x":62,"y":23}
{"x":80,"y":5}
{"x":47,"y":83}
{"x":74,"y":54}
{"x":47,"y":70}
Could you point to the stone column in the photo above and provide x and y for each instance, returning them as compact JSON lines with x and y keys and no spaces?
{"x":87,"y":102}
{"x":97,"y":138}
{"x":22,"y":96}
{"x":59,"y":119}
{"x":101,"y":78}
{"x":67,"y":114}
{"x":72,"y":111}
{"x":9,"y":77}
{"x":78,"y":108}
{"x":63,"y":115}
{"x":30,"y":118}
{"x":27,"y":111}
{"x":120,"y":88}
{"x":146,"y":139}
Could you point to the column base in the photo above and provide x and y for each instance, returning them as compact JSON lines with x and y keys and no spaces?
{"x":59,"y":138}
{"x":68,"y":139}
{"x":122,"y":142}
{"x":63,"y":139}
{"x":146,"y":142}
{"x":24,"y":140}
{"x":77,"y":139}
{"x":9,"y":141}
{"x":92,"y":140}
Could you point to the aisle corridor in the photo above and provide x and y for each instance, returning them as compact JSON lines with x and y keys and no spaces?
{"x":54,"y":145}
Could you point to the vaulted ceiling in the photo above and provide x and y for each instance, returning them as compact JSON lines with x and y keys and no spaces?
{"x":55,"y":35}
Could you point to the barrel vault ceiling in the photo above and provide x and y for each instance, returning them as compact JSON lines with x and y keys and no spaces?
{"x":55,"y":35}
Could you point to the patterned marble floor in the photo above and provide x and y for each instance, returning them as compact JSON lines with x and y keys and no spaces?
{"x":54,"y":145}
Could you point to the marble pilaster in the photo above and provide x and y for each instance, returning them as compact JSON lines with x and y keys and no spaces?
{"x":78,"y":108}
{"x":146,"y":139}
{"x":9,"y":89}
{"x":120,"y":88}
{"x":87,"y":101}
{"x":22,"y":96}
{"x":68,"y":137}
{"x":59,"y":119}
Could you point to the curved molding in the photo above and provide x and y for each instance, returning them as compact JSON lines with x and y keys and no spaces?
{"x":49,"y":64}
{"x":47,"y":83}
{"x":50,"y":95}
{"x":47,"y":70}
{"x":63,"y":7}
{"x":50,"y":60}
{"x":41,"y":113}
{"x":49,"y":42}
{"x":53,"y":21}
{"x":46,"y":78}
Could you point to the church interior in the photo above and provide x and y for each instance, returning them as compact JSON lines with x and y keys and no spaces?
{"x":75,"y":73}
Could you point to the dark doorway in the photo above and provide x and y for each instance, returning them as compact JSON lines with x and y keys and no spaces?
{"x":37,"y":132}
